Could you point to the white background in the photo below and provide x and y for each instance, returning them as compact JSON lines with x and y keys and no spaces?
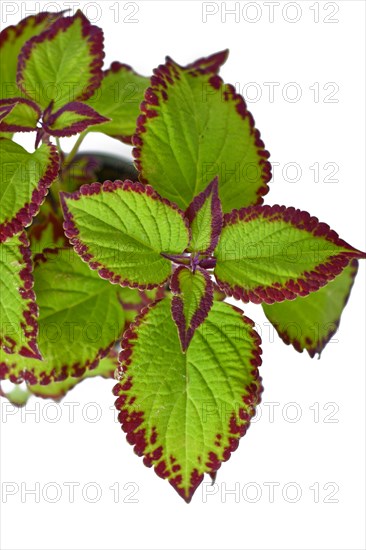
{"x":306,"y":452}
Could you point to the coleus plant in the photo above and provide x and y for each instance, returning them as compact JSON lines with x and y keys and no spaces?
{"x":189,"y":232}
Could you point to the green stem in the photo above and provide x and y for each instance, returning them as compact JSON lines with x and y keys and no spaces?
{"x":58,"y":146}
{"x":74,"y":150}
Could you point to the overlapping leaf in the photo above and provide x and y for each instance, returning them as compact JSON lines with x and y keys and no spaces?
{"x":310,"y":322}
{"x":54,"y":390}
{"x":134,"y":300}
{"x":71,"y":119}
{"x":46,"y":230}
{"x":205,"y":219}
{"x":192,"y":301}
{"x":80,"y":317}
{"x":18,"y":309}
{"x":12,"y":39}
{"x":25,"y":179}
{"x":185,"y":412}
{"x":272,"y":253}
{"x":20,"y":115}
{"x":195,"y":127}
{"x":118,"y":98}
{"x":82,"y":169}
{"x":121,"y":229}
{"x":62,"y":64}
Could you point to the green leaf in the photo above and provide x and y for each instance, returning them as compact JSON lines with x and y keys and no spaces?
{"x":79,"y":319}
{"x":6,"y":108}
{"x":22,"y":116}
{"x":219,"y":295}
{"x":118,"y":98}
{"x":192,"y":303}
{"x":134,"y":300}
{"x":46,"y":230}
{"x":62,"y":64}
{"x":73,"y":118}
{"x":185,"y":412}
{"x":273,"y":253}
{"x":309,"y":323}
{"x":121,"y":229}
{"x":18,"y":309}
{"x":55,"y":390}
{"x":205,"y":219}
{"x":82,"y":169}
{"x":25,"y":179}
{"x":58,"y":390}
{"x":195,"y":127}
{"x":12,"y":40}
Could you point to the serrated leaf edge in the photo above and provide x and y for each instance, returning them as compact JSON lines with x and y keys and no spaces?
{"x":80,"y":248}
{"x":312,"y":350}
{"x":29,"y":325}
{"x":25,"y":215}
{"x":156,"y":93}
{"x":250,"y":400}
{"x":95,"y":41}
{"x":308,"y":281}
{"x":73,"y":370}
{"x":36,"y":20}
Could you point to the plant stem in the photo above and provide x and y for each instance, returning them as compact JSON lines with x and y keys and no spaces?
{"x":74,"y":150}
{"x":58,"y":146}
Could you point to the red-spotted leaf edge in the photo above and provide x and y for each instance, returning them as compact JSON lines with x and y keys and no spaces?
{"x":72,"y":299}
{"x":308,"y":323}
{"x":91,"y":34}
{"x":192,"y":304}
{"x":162,"y":391}
{"x":12,"y":39}
{"x":16,"y":122}
{"x":165,"y":78}
{"x":46,"y":230}
{"x":205,"y":218}
{"x":205,"y":65}
{"x":23,"y":217}
{"x":307,"y":281}
{"x":134,"y":252}
{"x":22,"y":338}
{"x":56,"y":390}
{"x":73,"y":118}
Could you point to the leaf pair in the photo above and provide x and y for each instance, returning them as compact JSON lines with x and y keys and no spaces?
{"x":58,"y":67}
{"x":79,"y":319}
{"x":186,"y":396}
{"x":131,"y":235}
{"x":135,"y":236}
{"x":53,"y":74}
